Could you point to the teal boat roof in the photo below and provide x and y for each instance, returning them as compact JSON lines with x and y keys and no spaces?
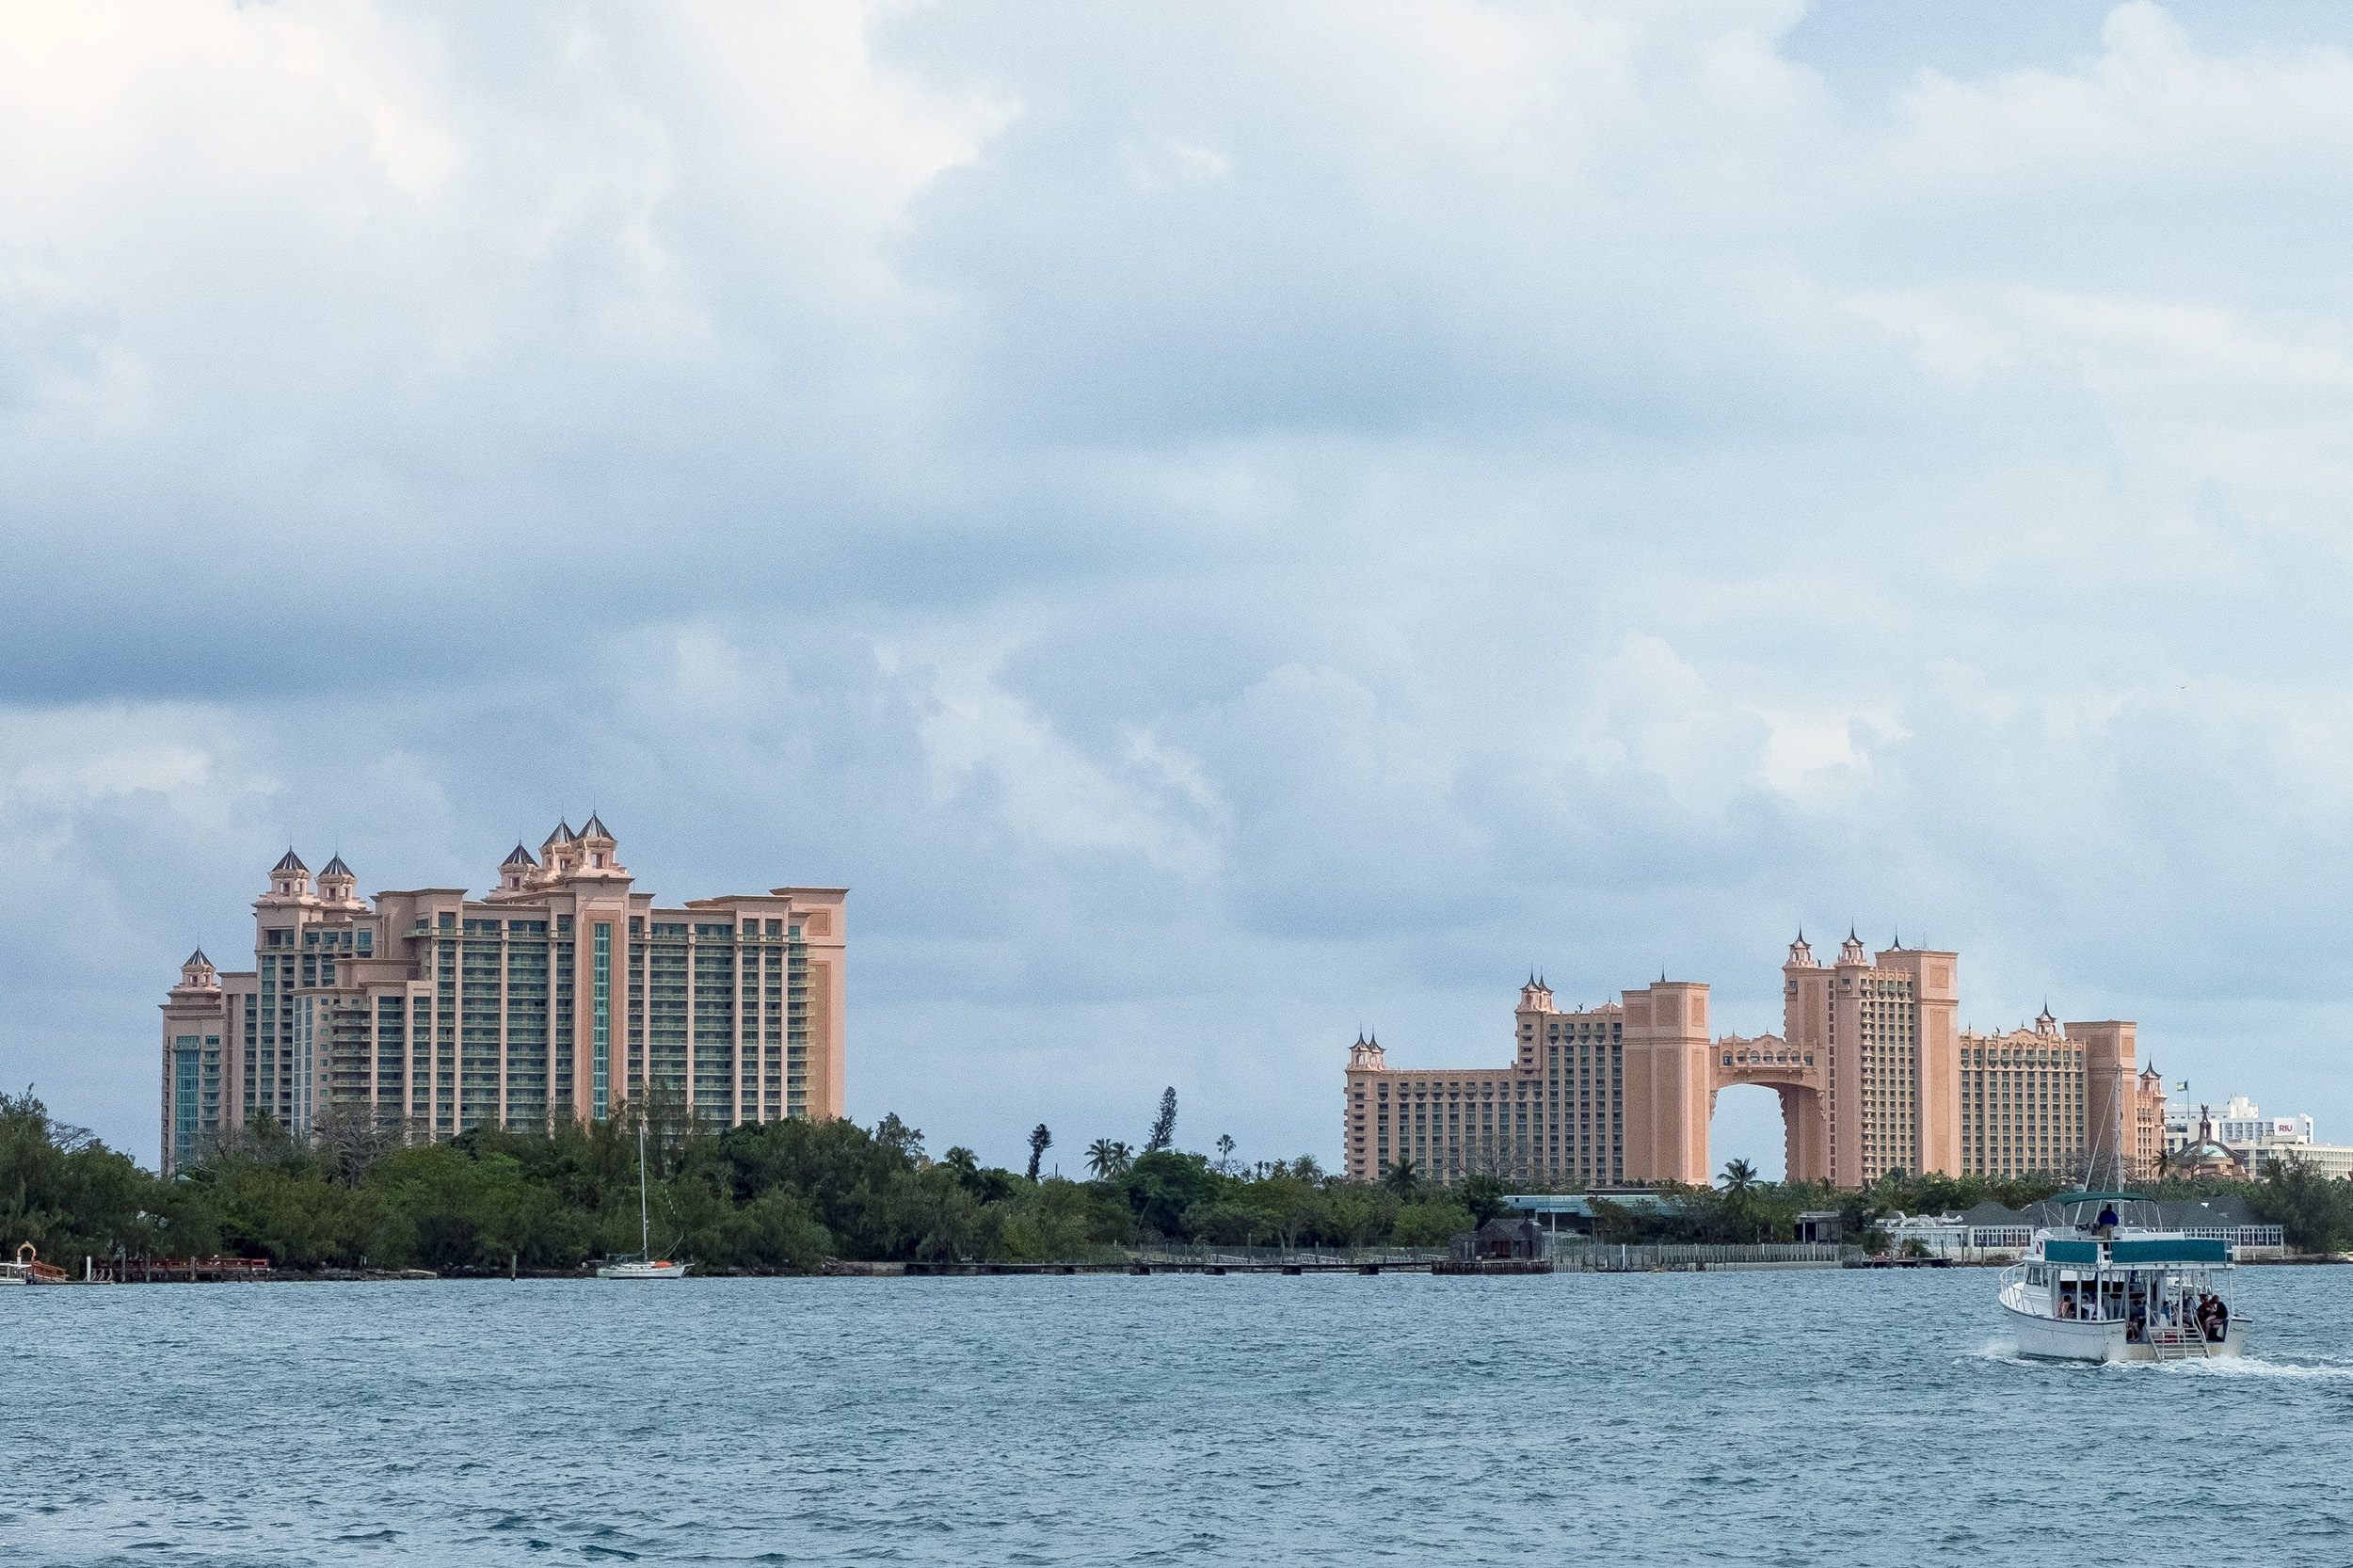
{"x":2099,"y":1197}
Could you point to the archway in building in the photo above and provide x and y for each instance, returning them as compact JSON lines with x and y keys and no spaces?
{"x":1796,"y":1081}
{"x":1746,"y":1124}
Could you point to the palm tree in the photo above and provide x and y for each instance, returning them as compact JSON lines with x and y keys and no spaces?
{"x":1401,"y":1178}
{"x":1040,"y":1141}
{"x":1107,"y":1158}
{"x":1739,"y":1175}
{"x":964,"y":1162}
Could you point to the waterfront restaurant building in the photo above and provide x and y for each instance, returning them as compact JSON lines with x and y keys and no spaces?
{"x":1873,"y":1071}
{"x":560,"y":989}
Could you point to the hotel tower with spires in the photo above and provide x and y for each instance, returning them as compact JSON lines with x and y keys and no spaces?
{"x":1873,"y":1073}
{"x":560,"y":990}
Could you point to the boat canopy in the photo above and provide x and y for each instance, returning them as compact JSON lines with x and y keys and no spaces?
{"x":2172,"y":1249}
{"x":2153,"y":1249}
{"x":2099,"y":1197}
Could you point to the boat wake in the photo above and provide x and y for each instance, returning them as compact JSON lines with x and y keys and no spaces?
{"x":2257,"y":1366}
{"x":2005,"y":1351}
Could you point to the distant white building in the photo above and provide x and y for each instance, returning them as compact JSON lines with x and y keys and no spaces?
{"x":1989,"y":1233}
{"x":2255,"y":1140}
{"x":2242,"y":1123}
{"x":2333,"y":1161}
{"x":1985,"y":1233}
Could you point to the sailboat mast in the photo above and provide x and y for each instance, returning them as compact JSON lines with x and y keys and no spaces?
{"x":645,"y":1230}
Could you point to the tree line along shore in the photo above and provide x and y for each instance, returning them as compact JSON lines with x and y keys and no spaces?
{"x":782,"y":1197}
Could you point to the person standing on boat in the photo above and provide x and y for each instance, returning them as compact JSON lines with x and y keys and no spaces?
{"x":2107,"y":1219}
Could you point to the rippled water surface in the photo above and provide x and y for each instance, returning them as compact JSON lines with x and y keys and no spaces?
{"x":1834,"y":1417}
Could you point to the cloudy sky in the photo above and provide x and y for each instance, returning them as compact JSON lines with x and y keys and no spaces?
{"x":1225,"y":525}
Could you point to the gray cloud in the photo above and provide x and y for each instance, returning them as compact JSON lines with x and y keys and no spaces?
{"x":1225,"y":528}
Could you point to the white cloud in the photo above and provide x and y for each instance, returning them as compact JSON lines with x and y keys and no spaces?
{"x":1050,"y":795}
{"x":1224,"y":525}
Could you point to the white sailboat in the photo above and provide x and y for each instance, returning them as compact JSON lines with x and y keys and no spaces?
{"x":644,"y":1265}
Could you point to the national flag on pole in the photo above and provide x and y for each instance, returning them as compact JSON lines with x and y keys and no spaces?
{"x":2182,"y":1086}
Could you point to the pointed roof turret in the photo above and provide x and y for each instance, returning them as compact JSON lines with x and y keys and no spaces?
{"x":521,"y":857}
{"x":562,"y":834}
{"x":596,"y":829}
{"x":336,"y":867}
{"x":197,"y":961}
{"x":292,"y":862}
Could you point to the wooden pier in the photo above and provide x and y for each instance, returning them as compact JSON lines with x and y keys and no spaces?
{"x":158,"y":1270}
{"x":1183,"y":1260}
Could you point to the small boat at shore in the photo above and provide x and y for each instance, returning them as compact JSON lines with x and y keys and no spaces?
{"x":644,"y":1265}
{"x":643,"y":1268}
{"x":2099,"y":1287}
{"x":29,"y":1269}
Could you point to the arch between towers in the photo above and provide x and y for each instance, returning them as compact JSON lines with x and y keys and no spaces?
{"x":1801,"y":1086}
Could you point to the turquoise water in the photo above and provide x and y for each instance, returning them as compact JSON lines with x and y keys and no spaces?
{"x":1796,"y":1418}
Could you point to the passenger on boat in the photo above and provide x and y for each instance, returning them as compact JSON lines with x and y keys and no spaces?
{"x":2137,"y":1332}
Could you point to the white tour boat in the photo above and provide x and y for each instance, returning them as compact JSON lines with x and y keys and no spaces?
{"x":2101,"y":1287}
{"x":644,"y":1265}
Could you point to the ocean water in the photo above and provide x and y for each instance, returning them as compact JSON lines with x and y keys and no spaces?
{"x":1798,"y":1418}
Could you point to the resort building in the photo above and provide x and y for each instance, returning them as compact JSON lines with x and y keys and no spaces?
{"x":1595,"y":1096}
{"x":562,"y":990}
{"x":2055,"y":1101}
{"x":1872,"y":1069}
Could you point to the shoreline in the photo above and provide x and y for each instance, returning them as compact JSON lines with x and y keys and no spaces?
{"x":854,"y":1268}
